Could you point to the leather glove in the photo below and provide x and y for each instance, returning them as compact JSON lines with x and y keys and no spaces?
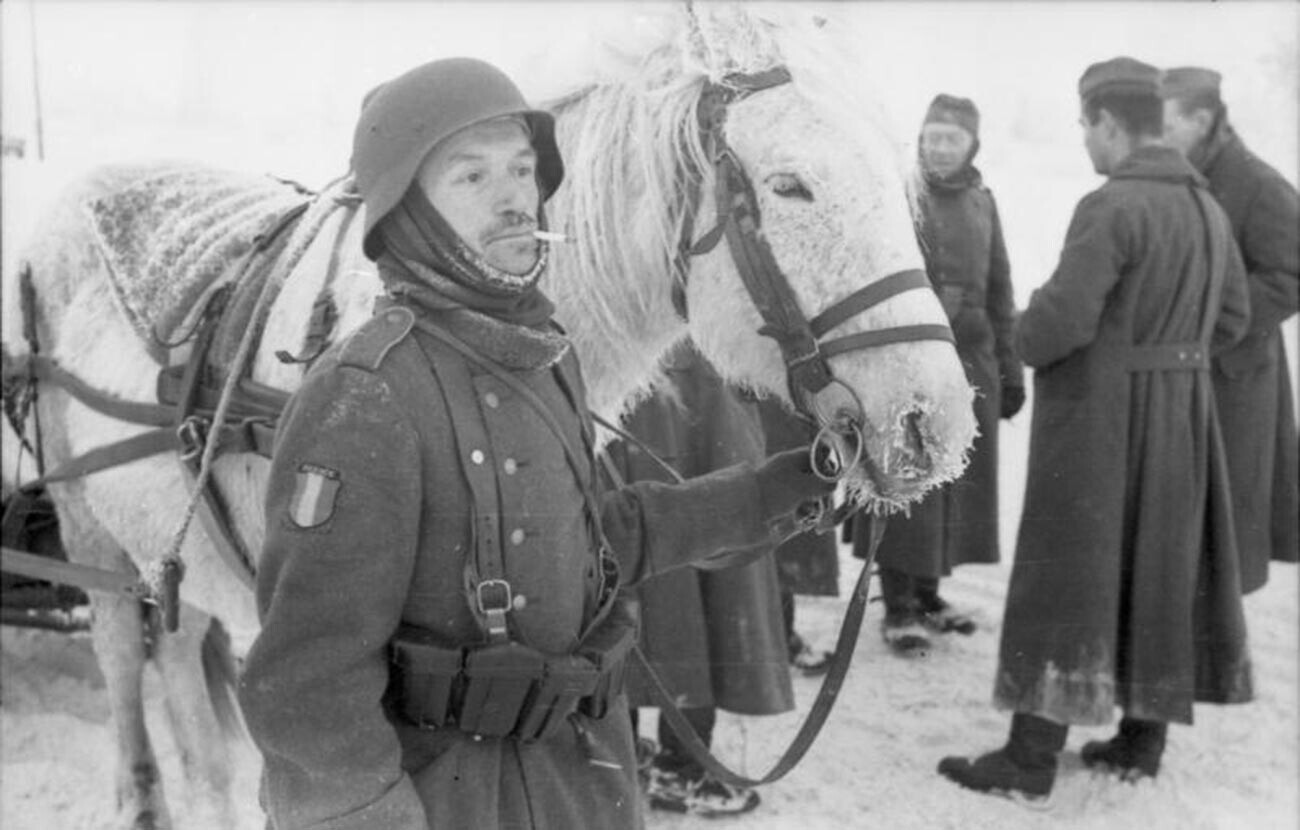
{"x":1013,"y":398}
{"x":786,"y":480}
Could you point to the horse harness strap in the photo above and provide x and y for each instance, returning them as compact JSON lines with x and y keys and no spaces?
{"x":181,"y":421}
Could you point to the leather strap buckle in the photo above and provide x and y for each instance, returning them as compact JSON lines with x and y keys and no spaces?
{"x":192,"y":433}
{"x":494,"y":599}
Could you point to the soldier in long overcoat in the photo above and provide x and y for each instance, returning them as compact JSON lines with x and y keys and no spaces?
{"x":443,"y":637}
{"x":1124,"y":590}
{"x":1252,"y":381}
{"x":714,"y":636}
{"x":808,"y":563}
{"x":966,"y":259}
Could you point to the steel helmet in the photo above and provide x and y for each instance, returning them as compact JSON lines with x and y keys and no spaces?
{"x":402,"y":120}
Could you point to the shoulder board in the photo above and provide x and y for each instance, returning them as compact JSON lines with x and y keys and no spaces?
{"x":367,"y":347}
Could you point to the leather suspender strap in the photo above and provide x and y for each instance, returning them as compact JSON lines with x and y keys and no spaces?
{"x":584,"y":475}
{"x":817,"y":714}
{"x":1216,"y":260}
{"x":485,"y":572}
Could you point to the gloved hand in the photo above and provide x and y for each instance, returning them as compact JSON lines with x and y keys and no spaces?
{"x":786,"y":480}
{"x":1013,"y":398}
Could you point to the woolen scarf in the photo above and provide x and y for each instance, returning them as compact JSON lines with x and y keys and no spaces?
{"x":425,"y":266}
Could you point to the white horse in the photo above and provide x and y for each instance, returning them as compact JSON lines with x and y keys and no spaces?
{"x":115,"y":258}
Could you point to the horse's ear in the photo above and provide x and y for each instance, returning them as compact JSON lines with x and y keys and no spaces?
{"x":722,"y":38}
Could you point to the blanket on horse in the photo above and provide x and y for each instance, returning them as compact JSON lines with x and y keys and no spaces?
{"x":171,"y":234}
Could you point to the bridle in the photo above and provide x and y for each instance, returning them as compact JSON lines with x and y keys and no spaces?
{"x":817,"y":394}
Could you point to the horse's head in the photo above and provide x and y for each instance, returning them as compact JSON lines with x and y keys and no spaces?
{"x":770,"y":172}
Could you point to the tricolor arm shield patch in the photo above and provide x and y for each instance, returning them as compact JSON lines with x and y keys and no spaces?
{"x":315,"y":491}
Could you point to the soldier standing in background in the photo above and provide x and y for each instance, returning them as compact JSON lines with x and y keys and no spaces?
{"x":1124,"y":592}
{"x":966,"y":260}
{"x":1252,"y":381}
{"x":713,"y":636}
{"x":807,"y":563}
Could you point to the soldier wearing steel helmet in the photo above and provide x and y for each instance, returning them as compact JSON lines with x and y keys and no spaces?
{"x":443,"y":636}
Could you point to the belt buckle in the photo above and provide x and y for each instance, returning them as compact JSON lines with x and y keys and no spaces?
{"x":501,"y":588}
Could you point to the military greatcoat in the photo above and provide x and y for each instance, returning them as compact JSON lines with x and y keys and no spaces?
{"x":370,"y":526}
{"x":1125,"y":588}
{"x":1252,"y":380}
{"x":966,"y":260}
{"x":715,"y":636}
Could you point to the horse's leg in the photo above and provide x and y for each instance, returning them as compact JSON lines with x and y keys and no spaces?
{"x":200,"y":737}
{"x":118,"y":637}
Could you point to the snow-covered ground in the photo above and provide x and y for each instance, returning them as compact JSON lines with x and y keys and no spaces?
{"x":274,"y":86}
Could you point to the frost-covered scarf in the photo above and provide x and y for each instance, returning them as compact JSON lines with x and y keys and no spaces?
{"x":505,"y":317}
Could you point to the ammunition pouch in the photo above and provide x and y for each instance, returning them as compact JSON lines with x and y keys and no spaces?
{"x":509,"y":689}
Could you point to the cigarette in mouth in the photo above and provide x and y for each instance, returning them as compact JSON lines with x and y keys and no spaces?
{"x":548,"y":236}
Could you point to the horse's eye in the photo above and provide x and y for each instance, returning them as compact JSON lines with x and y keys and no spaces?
{"x":788,"y":186}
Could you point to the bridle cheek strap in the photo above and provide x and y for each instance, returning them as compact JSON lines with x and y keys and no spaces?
{"x":739,"y":221}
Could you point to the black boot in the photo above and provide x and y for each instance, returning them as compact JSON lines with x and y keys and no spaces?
{"x":937,"y":613}
{"x":903,"y":629}
{"x":1134,"y":753}
{"x":1025,"y":767}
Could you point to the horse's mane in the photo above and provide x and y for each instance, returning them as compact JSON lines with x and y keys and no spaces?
{"x":631,"y":139}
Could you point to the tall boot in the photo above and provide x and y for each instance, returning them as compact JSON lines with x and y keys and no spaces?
{"x":903,"y":627}
{"x":1135,"y":751}
{"x":1026,"y":766}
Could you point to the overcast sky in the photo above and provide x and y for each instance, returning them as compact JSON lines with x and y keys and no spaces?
{"x":276,"y":85}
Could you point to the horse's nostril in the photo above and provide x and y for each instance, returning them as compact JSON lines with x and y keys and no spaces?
{"x":914,"y":439}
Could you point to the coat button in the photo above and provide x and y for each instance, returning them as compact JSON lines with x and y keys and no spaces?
{"x":517,"y":536}
{"x":491,"y":400}
{"x":476,"y":456}
{"x":511,"y":466}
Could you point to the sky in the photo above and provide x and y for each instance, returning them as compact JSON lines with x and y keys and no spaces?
{"x":274,"y":86}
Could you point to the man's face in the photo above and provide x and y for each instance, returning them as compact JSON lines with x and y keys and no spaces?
{"x":483,"y":181}
{"x":944,"y":148}
{"x":1184,"y":131}
{"x":1097,"y":140}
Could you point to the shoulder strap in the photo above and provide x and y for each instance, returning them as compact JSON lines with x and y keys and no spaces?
{"x":490,"y":596}
{"x":1216,"y":260}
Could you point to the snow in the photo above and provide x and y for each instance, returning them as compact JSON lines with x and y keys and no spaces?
{"x":274,"y":87}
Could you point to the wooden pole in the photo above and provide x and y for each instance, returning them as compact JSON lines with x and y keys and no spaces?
{"x":36,"y":83}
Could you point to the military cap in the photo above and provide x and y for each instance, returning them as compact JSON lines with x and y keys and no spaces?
{"x":1184,"y":81}
{"x":949,"y":109}
{"x":1121,"y":74}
